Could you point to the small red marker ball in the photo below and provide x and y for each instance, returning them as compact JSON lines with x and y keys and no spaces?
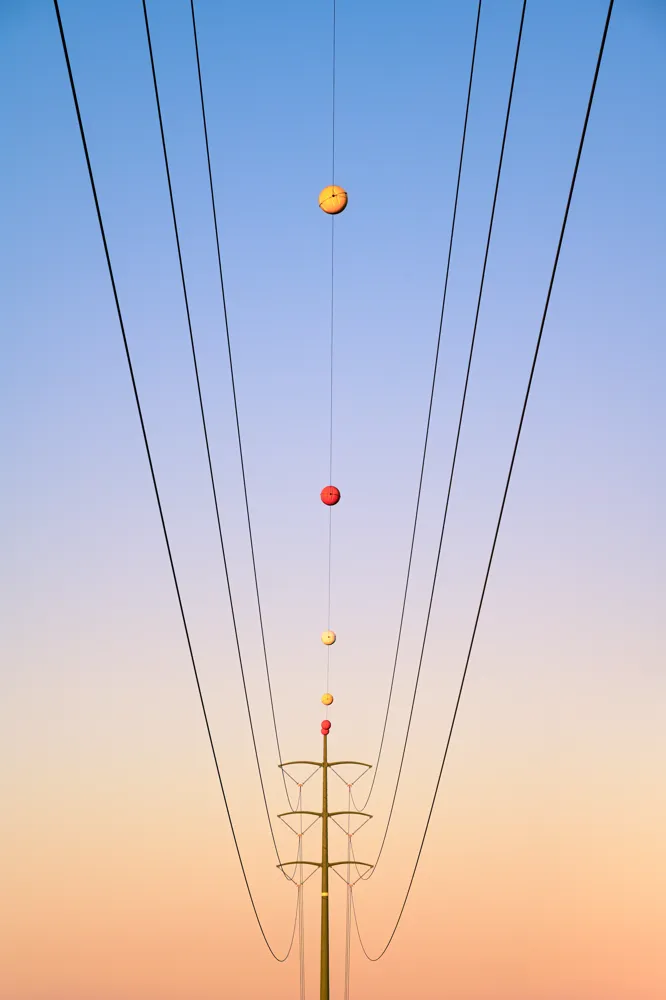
{"x":326,"y":724}
{"x":330,"y":495}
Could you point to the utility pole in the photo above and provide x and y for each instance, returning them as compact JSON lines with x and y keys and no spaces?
{"x":324,"y":864}
{"x":324,"y":969}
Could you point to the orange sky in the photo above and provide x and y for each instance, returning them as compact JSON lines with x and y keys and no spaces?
{"x":544,"y":872}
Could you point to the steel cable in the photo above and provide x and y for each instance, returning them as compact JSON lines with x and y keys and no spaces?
{"x":348,"y":911}
{"x":429,"y":416}
{"x":331,"y":357}
{"x":458,"y":432}
{"x":504,"y":496}
{"x":156,"y":489}
{"x":233,"y":392}
{"x":205,"y":427}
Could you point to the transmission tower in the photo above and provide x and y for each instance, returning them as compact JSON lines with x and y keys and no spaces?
{"x":325,"y":815}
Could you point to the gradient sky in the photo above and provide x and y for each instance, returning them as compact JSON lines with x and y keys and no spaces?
{"x":544,"y":875}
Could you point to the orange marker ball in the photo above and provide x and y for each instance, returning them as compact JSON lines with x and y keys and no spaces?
{"x":333,"y":199}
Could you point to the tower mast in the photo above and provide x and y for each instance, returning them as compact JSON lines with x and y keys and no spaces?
{"x":324,"y":976}
{"x":324,"y":864}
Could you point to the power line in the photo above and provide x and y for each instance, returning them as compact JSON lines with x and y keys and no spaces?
{"x":204,"y":425}
{"x":333,"y":96}
{"x":458,"y":432}
{"x":155,"y":486}
{"x":233,"y":392}
{"x":301,"y":912}
{"x":331,"y":354}
{"x":348,"y":900}
{"x":506,"y":490}
{"x":429,"y":417}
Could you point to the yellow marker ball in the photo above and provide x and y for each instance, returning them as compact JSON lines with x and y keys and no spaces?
{"x":327,"y":699}
{"x":333,"y":200}
{"x":328,"y":638}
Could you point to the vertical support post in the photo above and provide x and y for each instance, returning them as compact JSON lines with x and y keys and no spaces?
{"x":325,"y":985}
{"x":324,"y":975}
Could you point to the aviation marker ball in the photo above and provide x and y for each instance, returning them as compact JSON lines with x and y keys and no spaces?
{"x":333,"y":199}
{"x":330,"y":495}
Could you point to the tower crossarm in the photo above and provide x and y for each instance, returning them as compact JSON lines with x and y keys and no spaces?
{"x":363,"y":864}
{"x":337,"y":763}
{"x":315,"y":763}
{"x":345,"y":812}
{"x":305,"y":812}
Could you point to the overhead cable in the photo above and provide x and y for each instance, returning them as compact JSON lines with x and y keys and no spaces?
{"x":429,"y":417}
{"x":205,"y":429}
{"x":458,"y":431}
{"x":234,"y":394}
{"x":157,"y":493}
{"x":331,"y":353}
{"x":551,"y":283}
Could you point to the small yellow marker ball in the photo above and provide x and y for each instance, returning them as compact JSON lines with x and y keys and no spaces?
{"x":328,"y":638}
{"x":327,"y":699}
{"x":333,"y":199}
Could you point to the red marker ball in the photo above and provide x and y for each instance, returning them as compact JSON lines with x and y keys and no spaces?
{"x":330,"y":495}
{"x":326,"y":724}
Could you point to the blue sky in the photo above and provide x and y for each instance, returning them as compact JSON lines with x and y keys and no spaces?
{"x":578,"y":578}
